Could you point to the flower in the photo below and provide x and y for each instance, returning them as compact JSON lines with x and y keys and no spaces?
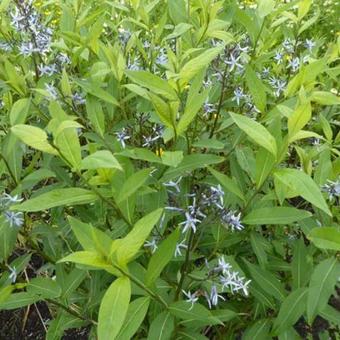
{"x":309,"y":44}
{"x":51,"y":90}
{"x":190,"y":222}
{"x":233,"y":62}
{"x":223,"y":266}
{"x":122,"y":136}
{"x":7,"y":199}
{"x":217,"y":196}
{"x":332,"y":188}
{"x":162,"y":58}
{"x":238,"y":92}
{"x":78,"y":99}
{"x":208,"y":108}
{"x":294,"y":64}
{"x":180,"y":245}
{"x":191,"y":298}
{"x":14,"y":218}
{"x":13,"y":274}
{"x":231,"y":220}
{"x":233,"y":281}
{"x":152,"y":245}
{"x":213,"y":297}
{"x":278,"y":57}
{"x":49,"y":70}
{"x":172,"y":184}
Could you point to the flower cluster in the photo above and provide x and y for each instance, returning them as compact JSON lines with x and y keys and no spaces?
{"x":15,"y":219}
{"x":221,"y":276}
{"x":36,"y":37}
{"x":332,"y":189}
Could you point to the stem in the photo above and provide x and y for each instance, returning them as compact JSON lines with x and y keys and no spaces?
{"x":219,"y":107}
{"x":9,"y":169}
{"x":142,"y":285}
{"x":70,"y":311}
{"x":185,"y":265}
{"x":257,"y":38}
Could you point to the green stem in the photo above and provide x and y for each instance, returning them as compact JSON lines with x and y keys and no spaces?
{"x":185,"y":265}
{"x":142,"y":286}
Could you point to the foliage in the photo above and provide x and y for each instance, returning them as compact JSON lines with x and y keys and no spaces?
{"x":175,"y":165}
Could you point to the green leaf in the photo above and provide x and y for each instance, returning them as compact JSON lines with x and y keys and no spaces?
{"x":198,"y":312}
{"x":256,"y":241}
{"x":192,"y":107}
{"x":326,"y":238}
{"x":95,"y":114}
{"x":163,"y":110}
{"x":258,"y":331}
{"x":67,"y":142}
{"x":265,"y":7}
{"x":321,"y":286}
{"x":56,"y":198}
{"x":267,"y":281}
{"x":298,"y":119}
{"x":44,"y":287}
{"x":191,"y":162}
{"x":19,"y":111}
{"x":172,"y":158}
{"x":195,"y":65}
{"x":304,"y":185}
{"x":96,"y":91}
{"x":133,"y":183}
{"x":131,"y":243}
{"x":113,"y":309}
{"x":331,"y":314}
{"x":228,"y":183}
{"x":134,"y":318}
{"x":153,"y":83}
{"x":100,"y":159}
{"x":89,"y":258}
{"x":18,"y":300}
{"x":179,"y":30}
{"x":256,"y":132}
{"x":265,"y":162}
{"x":83,"y":233}
{"x":142,"y":154}
{"x":8,"y":237}
{"x":303,"y":8}
{"x":33,"y":137}
{"x":301,"y":265}
{"x":275,"y":215}
{"x":257,"y":89}
{"x":325,"y":98}
{"x":162,"y":327}
{"x":161,"y":258}
{"x":177,"y":11}
{"x":293,"y":306}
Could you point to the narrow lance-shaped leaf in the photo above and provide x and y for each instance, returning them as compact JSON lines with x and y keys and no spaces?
{"x":192,"y":67}
{"x":326,"y":238}
{"x":34,"y":137}
{"x":56,"y":198}
{"x":291,"y":309}
{"x":275,"y":215}
{"x":134,"y":318}
{"x":321,"y":286}
{"x":304,"y":185}
{"x":161,"y":257}
{"x":130,"y":244}
{"x":100,"y":159}
{"x":256,"y":132}
{"x":113,"y":309}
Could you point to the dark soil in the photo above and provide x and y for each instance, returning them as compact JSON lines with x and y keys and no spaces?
{"x":14,"y":327}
